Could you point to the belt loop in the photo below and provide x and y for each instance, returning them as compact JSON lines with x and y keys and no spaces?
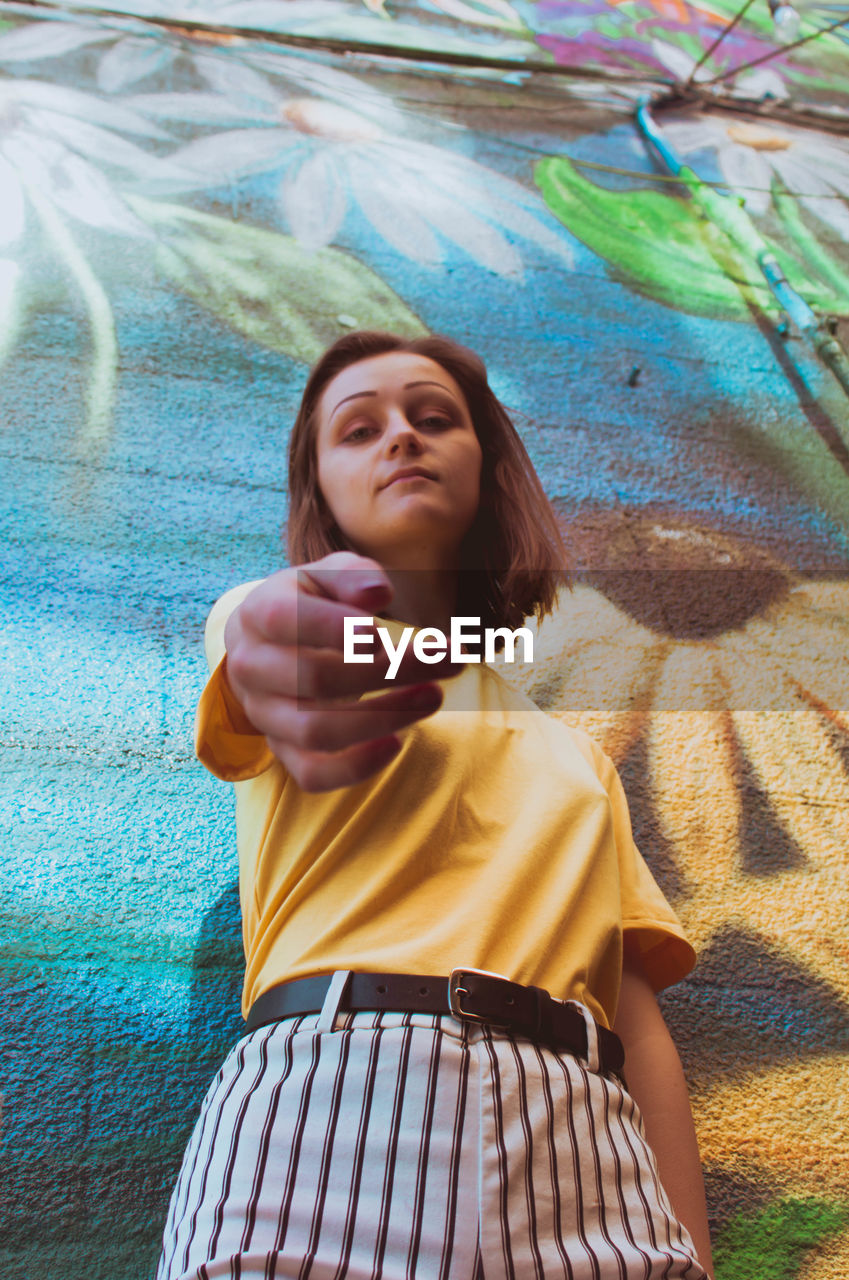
{"x":333,"y":999}
{"x":593,"y":1055}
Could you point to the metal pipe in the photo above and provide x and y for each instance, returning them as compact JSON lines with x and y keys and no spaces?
{"x":726,"y":212}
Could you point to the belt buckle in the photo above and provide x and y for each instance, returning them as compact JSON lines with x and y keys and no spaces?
{"x":456,"y":990}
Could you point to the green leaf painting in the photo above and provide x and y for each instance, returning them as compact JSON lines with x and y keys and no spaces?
{"x":268,"y":287}
{"x":666,"y":248}
{"x":775,"y":1242}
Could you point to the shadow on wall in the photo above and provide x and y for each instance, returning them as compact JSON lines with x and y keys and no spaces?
{"x":218,"y":968}
{"x":101,"y":1088}
{"x":213,"y":1025}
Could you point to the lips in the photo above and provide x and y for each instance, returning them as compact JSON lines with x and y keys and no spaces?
{"x":405,"y":473}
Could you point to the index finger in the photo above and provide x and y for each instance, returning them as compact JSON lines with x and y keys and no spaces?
{"x":308,"y":604}
{"x":347,"y":577}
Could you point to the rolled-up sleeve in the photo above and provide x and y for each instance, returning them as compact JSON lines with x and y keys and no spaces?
{"x":226,"y":742}
{"x":648,"y":921}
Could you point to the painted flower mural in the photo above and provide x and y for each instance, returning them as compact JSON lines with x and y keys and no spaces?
{"x":674,"y":40}
{"x":758,"y":83}
{"x":335,"y":143}
{"x":64,"y":160}
{"x":453,"y":26}
{"x":134,"y":52}
{"x":718,"y":680}
{"x":648,"y":236}
{"x":757,"y":160}
{"x":63,"y":156}
{"x":659,"y":41}
{"x":665,"y":40}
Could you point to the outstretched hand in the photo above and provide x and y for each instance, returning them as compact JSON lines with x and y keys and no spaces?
{"x":285,"y":664}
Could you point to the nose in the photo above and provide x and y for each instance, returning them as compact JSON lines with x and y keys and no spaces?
{"x":401,"y":436}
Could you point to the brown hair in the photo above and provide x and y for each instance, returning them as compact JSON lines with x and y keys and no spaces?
{"x":514,"y":546}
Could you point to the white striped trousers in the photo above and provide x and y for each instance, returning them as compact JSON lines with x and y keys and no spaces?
{"x":416,"y":1145}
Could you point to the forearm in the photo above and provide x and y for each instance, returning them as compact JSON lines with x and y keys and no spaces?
{"x":656,"y":1081}
{"x":657,"y":1084}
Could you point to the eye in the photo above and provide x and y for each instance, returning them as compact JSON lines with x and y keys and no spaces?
{"x":435,"y":422}
{"x":358,"y":434}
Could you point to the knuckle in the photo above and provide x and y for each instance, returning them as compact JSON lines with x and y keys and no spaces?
{"x":277,"y":616}
{"x":317,"y":678}
{"x":254,"y":709}
{"x":308,"y":680}
{"x":309,"y":775}
{"x":345,"y":560}
{"x":239,"y":666}
{"x":250,"y":706}
{"x":308,"y":731}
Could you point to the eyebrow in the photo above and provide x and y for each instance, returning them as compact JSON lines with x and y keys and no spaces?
{"x":426,"y":382}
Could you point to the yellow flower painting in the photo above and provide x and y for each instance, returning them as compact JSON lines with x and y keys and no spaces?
{"x":717,"y":679}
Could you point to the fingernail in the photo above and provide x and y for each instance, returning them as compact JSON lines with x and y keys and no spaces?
{"x":425,"y":695}
{"x":385,"y":748}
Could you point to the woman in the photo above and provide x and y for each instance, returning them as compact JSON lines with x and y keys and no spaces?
{"x":379,"y":1119}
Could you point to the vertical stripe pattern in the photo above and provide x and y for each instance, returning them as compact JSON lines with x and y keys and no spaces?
{"x":414,"y":1145}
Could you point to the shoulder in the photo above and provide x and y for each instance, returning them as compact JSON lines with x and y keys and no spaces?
{"x":596,"y":757}
{"x":559,"y":744}
{"x":231,"y":600}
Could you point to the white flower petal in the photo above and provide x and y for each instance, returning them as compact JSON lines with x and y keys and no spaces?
{"x":31,"y":153}
{"x":327,"y":82}
{"x":816,"y":193}
{"x":198,"y":108}
{"x":522,"y":223}
{"x":81,"y":106}
{"x":829,"y":157}
{"x":137,"y":8}
{"x":313,"y":200}
{"x":490,"y":13}
{"x":676,"y":60}
{"x":39,"y":40}
{"x":694,"y":135}
{"x":762,"y":83}
{"x":482,"y":242}
{"x":12,"y":207}
{"x":834,"y":213}
{"x":271,"y":15}
{"x":799,"y":177}
{"x":33,"y":157}
{"x":224,"y":157}
{"x":131,"y":60}
{"x":98,"y":144}
{"x":746,"y":171}
{"x":230,"y":76}
{"x":81,"y":190}
{"x":396,"y":222}
{"x":496,"y":198}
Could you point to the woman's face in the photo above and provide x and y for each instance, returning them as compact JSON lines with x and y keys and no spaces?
{"x":399,"y":462}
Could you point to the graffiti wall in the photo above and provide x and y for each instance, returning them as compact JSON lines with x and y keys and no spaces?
{"x":193,"y":203}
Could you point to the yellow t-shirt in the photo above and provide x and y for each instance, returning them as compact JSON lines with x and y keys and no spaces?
{"x":498,"y":838}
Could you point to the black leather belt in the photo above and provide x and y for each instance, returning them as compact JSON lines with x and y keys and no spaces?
{"x":469,"y":993}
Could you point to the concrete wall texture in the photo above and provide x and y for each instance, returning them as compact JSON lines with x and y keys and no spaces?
{"x":189,"y":212}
